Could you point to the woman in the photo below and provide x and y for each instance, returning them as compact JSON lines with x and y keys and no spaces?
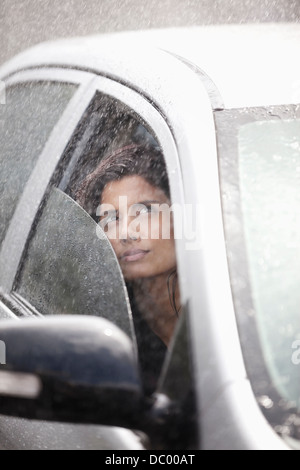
{"x":129,"y":192}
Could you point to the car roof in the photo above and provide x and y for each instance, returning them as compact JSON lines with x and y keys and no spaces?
{"x":251,"y":65}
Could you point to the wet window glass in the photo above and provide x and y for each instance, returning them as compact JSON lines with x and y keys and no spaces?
{"x":261,"y":189}
{"x":70,"y":268}
{"x":98,"y":246}
{"x":27,"y":118}
{"x":269,"y":162}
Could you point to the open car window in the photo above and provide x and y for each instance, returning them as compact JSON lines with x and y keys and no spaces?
{"x":69,"y":266}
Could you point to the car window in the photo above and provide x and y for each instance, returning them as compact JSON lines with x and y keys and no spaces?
{"x":70,"y":268}
{"x":71,"y":264}
{"x":260,"y":161}
{"x":27,"y":118}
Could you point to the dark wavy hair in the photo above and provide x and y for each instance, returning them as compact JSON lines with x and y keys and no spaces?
{"x":140,"y":160}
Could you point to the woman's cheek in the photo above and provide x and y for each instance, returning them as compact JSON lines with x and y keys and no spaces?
{"x":144,"y":228}
{"x":115,"y":244}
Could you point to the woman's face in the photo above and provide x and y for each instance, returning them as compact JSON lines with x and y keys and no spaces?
{"x":137,"y":220}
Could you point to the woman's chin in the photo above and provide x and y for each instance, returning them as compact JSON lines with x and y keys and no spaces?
{"x":132,"y":276}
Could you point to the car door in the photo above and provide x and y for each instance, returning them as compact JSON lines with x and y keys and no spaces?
{"x":39,"y":115}
{"x":68,"y":121}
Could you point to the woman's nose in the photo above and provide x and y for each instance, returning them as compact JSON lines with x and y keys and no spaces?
{"x":127,"y":233}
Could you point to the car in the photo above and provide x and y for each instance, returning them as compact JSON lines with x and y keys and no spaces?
{"x":222,"y":102}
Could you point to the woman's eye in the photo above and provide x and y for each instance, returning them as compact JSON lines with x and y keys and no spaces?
{"x":144,"y":210}
{"x":107,"y":221}
{"x":140,"y":209}
{"x":111,"y":218}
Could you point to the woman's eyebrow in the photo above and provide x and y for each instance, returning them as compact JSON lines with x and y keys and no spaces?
{"x":107,"y":212}
{"x":145,"y":203}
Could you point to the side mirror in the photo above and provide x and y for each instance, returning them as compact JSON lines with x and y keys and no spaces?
{"x":70,"y":369}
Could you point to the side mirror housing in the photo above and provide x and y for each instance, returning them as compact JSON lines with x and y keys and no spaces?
{"x":72,"y":369}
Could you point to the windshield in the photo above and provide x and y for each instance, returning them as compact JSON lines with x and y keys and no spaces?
{"x":260,"y":179}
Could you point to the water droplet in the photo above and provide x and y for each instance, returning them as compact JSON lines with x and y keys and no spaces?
{"x":266,"y":402}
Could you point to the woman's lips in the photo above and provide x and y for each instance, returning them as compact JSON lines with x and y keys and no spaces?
{"x":134,"y":255}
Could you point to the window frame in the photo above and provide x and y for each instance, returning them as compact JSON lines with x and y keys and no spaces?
{"x":18,"y":234}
